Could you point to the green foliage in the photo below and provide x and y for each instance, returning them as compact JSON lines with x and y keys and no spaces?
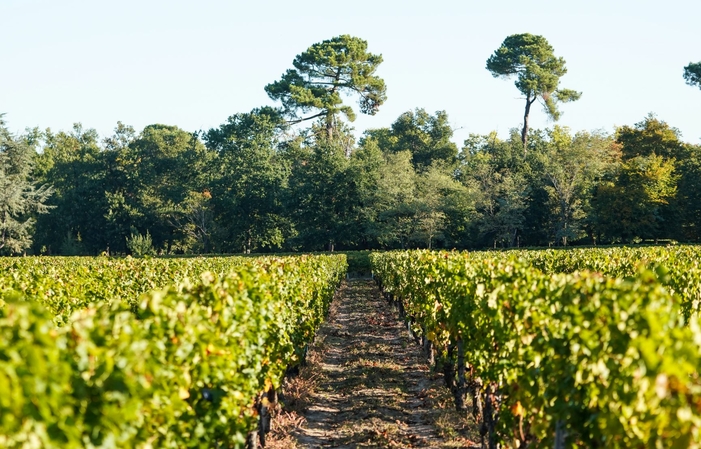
{"x":631,"y":205}
{"x":437,"y":191}
{"x":141,"y":245}
{"x":247,"y":193}
{"x":20,"y":196}
{"x":258,"y":184}
{"x":37,"y":407}
{"x":402,"y":204}
{"x":194,"y":219}
{"x":103,"y":191}
{"x":71,"y":163}
{"x":323,"y":204}
{"x":639,"y":198}
{"x":156,"y":157}
{"x":651,"y":136}
{"x":72,"y":246}
{"x":427,"y":137}
{"x":394,"y":192}
{"x":538,"y":71}
{"x":608,"y":360}
{"x":687,"y":203}
{"x":570,"y":166}
{"x":178,"y":367}
{"x":324,"y":73}
{"x":490,"y":169}
{"x":681,"y":266}
{"x":692,"y":74}
{"x":358,"y":261}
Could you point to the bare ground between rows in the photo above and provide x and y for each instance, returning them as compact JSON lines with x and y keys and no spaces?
{"x":367,"y":385}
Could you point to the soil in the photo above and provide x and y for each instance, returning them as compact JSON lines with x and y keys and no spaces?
{"x":367,"y":384}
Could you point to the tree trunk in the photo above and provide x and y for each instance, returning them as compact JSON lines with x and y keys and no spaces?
{"x":462,"y":381}
{"x":490,"y":415}
{"x":449,"y":368}
{"x":524,"y":131}
{"x":476,"y":392}
{"x":329,"y":130}
{"x":329,"y":127}
{"x":429,"y":350}
{"x":252,"y":440}
{"x":560,"y":435}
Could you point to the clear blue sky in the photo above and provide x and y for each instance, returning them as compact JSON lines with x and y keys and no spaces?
{"x":193,"y":64}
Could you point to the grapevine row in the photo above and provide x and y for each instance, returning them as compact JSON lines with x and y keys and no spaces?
{"x":554,"y":359}
{"x":680,"y":266}
{"x":66,"y":284}
{"x":191,"y":365}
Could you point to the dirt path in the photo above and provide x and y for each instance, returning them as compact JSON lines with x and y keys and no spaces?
{"x":369,"y":384}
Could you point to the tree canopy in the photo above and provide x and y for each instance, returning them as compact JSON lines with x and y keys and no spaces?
{"x":692,"y":74}
{"x":538,"y":71}
{"x":648,"y":137}
{"x":425,"y":136}
{"x":256,"y":183}
{"x":20,"y":195}
{"x":323,"y":73}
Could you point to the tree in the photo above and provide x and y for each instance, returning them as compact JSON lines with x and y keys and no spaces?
{"x":692,"y":74}
{"x":654,"y":138}
{"x":194,"y":218}
{"x":71,"y":162}
{"x":323,"y":201}
{"x":437,"y":195}
{"x":363,"y":176}
{"x":538,"y":72}
{"x":630,"y":205}
{"x":247,"y":192}
{"x":160,"y":168}
{"x":501,"y":199}
{"x":20,"y":197}
{"x":570,"y":165}
{"x":425,"y":136}
{"x":393,"y":199}
{"x":651,"y":136}
{"x":323,"y":73}
{"x":495,"y":171}
{"x":688,"y":200}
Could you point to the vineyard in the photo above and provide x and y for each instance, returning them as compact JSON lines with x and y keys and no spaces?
{"x":152,"y":353}
{"x":552,"y":348}
{"x":551,"y":356}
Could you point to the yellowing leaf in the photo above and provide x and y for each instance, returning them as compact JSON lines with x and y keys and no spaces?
{"x":183,"y":393}
{"x":517,"y":409}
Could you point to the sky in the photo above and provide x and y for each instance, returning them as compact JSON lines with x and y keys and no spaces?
{"x":193,"y":64}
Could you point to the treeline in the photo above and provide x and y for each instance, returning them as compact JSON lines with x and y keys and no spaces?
{"x":263,"y":182}
{"x":253,"y":185}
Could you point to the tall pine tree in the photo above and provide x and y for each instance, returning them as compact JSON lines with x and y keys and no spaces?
{"x":20,"y":197}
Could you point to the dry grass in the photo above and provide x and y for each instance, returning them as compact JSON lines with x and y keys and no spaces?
{"x":365,"y":385}
{"x":282,"y":429}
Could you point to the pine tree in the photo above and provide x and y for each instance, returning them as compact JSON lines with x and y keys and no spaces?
{"x":20,"y":197}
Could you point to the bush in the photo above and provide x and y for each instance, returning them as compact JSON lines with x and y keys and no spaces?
{"x":140,"y":245}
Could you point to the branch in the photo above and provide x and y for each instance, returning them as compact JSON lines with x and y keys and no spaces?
{"x":343,"y":84}
{"x":300,"y":120}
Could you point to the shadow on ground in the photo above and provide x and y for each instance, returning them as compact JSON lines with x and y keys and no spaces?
{"x":369,"y":385}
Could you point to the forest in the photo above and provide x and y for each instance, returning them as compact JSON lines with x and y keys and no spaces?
{"x":294,"y":178}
